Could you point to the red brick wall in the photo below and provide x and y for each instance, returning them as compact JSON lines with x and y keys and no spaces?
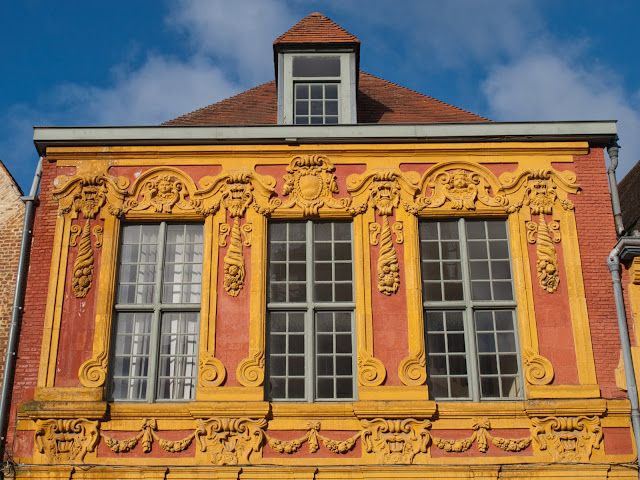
{"x":30,"y":344}
{"x":596,"y":237}
{"x":11,"y":220}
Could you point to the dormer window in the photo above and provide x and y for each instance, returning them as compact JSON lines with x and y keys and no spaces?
{"x":316,"y":73}
{"x":317,"y":88}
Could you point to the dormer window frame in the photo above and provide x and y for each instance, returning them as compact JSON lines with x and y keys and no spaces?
{"x":346,"y":82}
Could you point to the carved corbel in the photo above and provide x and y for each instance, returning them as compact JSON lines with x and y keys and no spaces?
{"x":88,"y":193}
{"x":540,"y":192}
{"x":66,"y":441}
{"x":230,"y":441}
{"x":460,"y":186}
{"x":567,"y":439}
{"x":395,"y":441}
{"x":310,"y":185}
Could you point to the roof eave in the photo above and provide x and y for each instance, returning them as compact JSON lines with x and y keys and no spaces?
{"x":597,"y":133}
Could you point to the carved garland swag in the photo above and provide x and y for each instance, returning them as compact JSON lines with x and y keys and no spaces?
{"x":233,"y":441}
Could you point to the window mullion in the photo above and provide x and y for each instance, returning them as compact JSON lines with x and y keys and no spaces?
{"x":469,"y":327}
{"x":310,"y":328}
{"x":154,"y":350}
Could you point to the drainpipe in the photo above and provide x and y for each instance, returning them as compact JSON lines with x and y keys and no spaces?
{"x":612,"y":150}
{"x":626,"y":246}
{"x":18,"y":297}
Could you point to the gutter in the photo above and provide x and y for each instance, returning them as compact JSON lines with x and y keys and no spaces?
{"x":600,"y":133}
{"x":626,"y":248}
{"x":18,"y":304}
{"x":612,"y":150}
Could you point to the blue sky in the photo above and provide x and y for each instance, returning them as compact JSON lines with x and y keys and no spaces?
{"x":143,"y":62}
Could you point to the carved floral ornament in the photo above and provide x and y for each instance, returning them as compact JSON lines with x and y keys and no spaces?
{"x":542,"y":192}
{"x":239,"y":441}
{"x":234,"y":191}
{"x":383,"y":191}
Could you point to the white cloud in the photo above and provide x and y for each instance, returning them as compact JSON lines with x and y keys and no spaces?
{"x":240,"y":31}
{"x":544,"y":86}
{"x":162,"y":88}
{"x":451,"y":33}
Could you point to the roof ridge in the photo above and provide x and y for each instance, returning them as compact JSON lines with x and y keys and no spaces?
{"x":228,"y":99}
{"x":362,"y":72}
{"x":316,"y":28}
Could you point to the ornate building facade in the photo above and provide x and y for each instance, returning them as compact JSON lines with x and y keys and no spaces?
{"x":422,"y":294}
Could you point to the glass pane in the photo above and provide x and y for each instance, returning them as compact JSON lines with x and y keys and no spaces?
{"x":316,"y":66}
{"x":331,"y":92}
{"x":295,"y":388}
{"x":302,"y":91}
{"x":344,"y":388}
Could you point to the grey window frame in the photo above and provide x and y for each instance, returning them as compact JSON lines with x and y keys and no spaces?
{"x":469,"y":307}
{"x":157,"y":308}
{"x":347,"y":112}
{"x":310,"y":308}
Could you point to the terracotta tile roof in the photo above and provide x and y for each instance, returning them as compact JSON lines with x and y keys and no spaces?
{"x":379,"y":101}
{"x":315,"y":28}
{"x":629,"y":190}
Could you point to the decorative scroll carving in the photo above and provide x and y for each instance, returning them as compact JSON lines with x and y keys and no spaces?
{"x":147,"y":434}
{"x":397,"y":229}
{"x":75,"y":232}
{"x":250,"y":371}
{"x":97,"y":232}
{"x":537,"y":369}
{"x":87,"y":194}
{"x":312,"y":437}
{"x":541,"y":191}
{"x":211,"y":371}
{"x":567,"y":439}
{"x":230,"y":441}
{"x":93,"y":372}
{"x":371,"y":371}
{"x":83,"y":265}
{"x":66,"y":441}
{"x":412,"y":369}
{"x":396,"y":441}
{"x":462,"y":187}
{"x":310,"y":185}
